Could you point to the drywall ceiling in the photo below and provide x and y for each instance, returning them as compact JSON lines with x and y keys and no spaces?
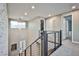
{"x":17,"y":10}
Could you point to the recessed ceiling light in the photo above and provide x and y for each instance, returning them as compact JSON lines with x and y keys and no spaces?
{"x":73,"y":7}
{"x":33,"y":7}
{"x":49,"y":15}
{"x":25,"y":13}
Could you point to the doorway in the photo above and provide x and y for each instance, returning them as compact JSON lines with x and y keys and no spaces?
{"x":68,"y":26}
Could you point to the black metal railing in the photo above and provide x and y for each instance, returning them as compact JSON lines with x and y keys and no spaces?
{"x":30,"y":46}
{"x":56,"y":42}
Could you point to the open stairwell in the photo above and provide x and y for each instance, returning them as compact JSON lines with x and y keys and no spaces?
{"x":35,"y":48}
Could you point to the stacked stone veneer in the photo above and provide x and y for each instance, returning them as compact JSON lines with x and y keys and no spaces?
{"x":3,"y":30}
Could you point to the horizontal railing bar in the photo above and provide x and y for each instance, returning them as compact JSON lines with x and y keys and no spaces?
{"x":48,"y":32}
{"x":54,"y":49}
{"x":53,"y":42}
{"x":52,"y":32}
{"x":33,"y":42}
{"x":59,"y":44}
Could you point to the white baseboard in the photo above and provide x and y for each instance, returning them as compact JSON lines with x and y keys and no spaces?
{"x":75,"y":42}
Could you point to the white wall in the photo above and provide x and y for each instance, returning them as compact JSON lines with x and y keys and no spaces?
{"x":49,"y":24}
{"x":63,"y":24}
{"x":3,"y":30}
{"x":34,"y":27}
{"x":15,"y":36}
{"x":57,"y":22}
{"x":76,"y":26}
{"x":54,"y":23}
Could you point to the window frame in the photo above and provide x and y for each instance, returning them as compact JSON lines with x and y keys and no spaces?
{"x":9,"y":24}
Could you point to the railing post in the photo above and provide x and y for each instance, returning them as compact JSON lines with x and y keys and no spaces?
{"x":25,"y":52}
{"x":30,"y":50}
{"x":44,"y":40}
{"x":44,"y":44}
{"x":19,"y":54}
{"x":54,"y":40}
{"x":60,"y":37}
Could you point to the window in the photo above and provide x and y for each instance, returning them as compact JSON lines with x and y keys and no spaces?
{"x":16,"y":24}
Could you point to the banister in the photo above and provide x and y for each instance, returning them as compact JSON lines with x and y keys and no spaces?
{"x":33,"y":42}
{"x":44,"y":37}
{"x":30,"y":47}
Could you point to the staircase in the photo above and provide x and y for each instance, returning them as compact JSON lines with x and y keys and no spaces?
{"x":53,"y":39}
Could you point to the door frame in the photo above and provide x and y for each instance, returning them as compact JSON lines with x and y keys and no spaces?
{"x":66,"y":26}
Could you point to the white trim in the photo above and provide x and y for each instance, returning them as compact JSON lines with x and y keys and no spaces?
{"x":72,"y":29}
{"x":70,"y":13}
{"x":72,"y":32}
{"x":75,"y":42}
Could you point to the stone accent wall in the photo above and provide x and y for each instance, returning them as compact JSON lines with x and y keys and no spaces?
{"x":3,"y":30}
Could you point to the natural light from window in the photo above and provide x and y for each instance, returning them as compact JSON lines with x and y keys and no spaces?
{"x":16,"y":24}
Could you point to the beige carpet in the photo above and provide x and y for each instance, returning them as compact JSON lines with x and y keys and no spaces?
{"x":67,"y":49}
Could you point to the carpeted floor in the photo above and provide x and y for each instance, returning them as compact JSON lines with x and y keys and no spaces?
{"x":67,"y":49}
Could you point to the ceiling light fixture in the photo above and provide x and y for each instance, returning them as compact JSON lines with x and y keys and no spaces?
{"x":73,"y":7}
{"x":33,"y":7}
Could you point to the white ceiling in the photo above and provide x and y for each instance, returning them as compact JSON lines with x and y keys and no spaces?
{"x":17,"y":10}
